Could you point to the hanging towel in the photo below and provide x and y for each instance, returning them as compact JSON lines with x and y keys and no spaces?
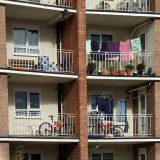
{"x":125,"y":51}
{"x":121,"y":110}
{"x":113,"y":50}
{"x":121,"y":115}
{"x":101,"y":104}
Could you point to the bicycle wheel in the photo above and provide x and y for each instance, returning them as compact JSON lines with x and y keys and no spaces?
{"x":45,"y":129}
{"x":118,"y":132}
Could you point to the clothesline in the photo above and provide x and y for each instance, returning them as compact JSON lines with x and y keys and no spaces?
{"x":128,"y":98}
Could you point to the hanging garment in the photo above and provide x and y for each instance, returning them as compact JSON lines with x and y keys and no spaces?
{"x":113,"y":50}
{"x":109,"y":108}
{"x":121,"y":115}
{"x":125,"y":51}
{"x":101,"y":104}
{"x":105,"y":105}
{"x":121,"y":110}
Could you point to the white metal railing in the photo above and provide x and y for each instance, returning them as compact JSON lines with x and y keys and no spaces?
{"x":119,"y":126}
{"x":104,"y":60}
{"x":40,"y":59}
{"x":41,"y":124}
{"x":120,"y":5}
{"x":62,"y":3}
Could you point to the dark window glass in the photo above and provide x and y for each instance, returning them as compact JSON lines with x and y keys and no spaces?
{"x":95,"y":42}
{"x":96,"y":156}
{"x":107,"y":156}
{"x":35,"y":157}
{"x":34,"y":100}
{"x":143,"y":41}
{"x":143,"y":156}
{"x":21,"y":100}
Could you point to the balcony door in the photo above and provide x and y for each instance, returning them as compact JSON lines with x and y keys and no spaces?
{"x":142,"y":111}
{"x":142,"y":154}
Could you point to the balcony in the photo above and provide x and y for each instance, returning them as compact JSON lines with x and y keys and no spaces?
{"x":120,"y":5}
{"x":35,"y":123}
{"x":106,"y":126}
{"x":40,"y":59}
{"x":104,"y":60}
{"x":59,"y":3}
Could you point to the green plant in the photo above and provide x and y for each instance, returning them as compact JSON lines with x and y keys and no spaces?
{"x":140,"y":67}
{"x":91,"y":66}
{"x":20,"y":152}
{"x":112,"y":67}
{"x":129,"y":66}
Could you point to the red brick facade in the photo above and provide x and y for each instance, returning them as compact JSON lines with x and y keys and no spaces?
{"x":4,"y":151}
{"x":75,"y":93}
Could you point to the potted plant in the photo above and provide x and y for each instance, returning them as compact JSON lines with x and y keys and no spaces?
{"x":121,"y":72}
{"x":112,"y":70}
{"x":20,"y":153}
{"x":140,"y":69}
{"x":129,"y":69}
{"x":91,"y":67}
{"x":104,"y":72}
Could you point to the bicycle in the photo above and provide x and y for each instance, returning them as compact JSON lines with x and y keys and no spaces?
{"x":108,"y":129}
{"x":56,"y":128}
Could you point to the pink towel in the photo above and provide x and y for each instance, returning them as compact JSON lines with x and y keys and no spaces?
{"x":125,"y":51}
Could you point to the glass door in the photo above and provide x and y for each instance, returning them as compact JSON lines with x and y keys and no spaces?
{"x":142,"y":111}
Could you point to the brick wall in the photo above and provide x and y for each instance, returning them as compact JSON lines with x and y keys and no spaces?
{"x":3,"y":78}
{"x":4,"y":151}
{"x":157,"y":46}
{"x":75,"y":92}
{"x":151,"y":150}
{"x":3,"y":63}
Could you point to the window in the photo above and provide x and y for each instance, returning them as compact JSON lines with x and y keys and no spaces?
{"x":26,"y":40}
{"x":27,"y":103}
{"x":98,"y":39}
{"x":143,"y":41}
{"x":142,"y":152}
{"x":93,"y":100}
{"x":32,"y":156}
{"x":103,"y":156}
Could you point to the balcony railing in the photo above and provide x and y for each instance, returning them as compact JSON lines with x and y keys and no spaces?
{"x":62,"y":3}
{"x":104,"y":60}
{"x":40,"y":59}
{"x":40,"y":124}
{"x":119,"y":5}
{"x":119,"y":126}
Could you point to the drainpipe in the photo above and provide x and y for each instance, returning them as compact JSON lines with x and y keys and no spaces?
{"x":141,"y":25}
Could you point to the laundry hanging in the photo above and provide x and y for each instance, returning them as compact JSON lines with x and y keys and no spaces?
{"x":113,"y":49}
{"x":125,"y":51}
{"x":121,"y":115}
{"x":106,"y":105}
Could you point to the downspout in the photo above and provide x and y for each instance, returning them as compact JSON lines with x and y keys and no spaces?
{"x":139,"y":26}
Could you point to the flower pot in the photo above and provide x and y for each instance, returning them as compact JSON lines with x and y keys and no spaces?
{"x":113,"y":72}
{"x":129,"y":72}
{"x":104,"y":72}
{"x":20,"y":158}
{"x":121,"y":72}
{"x":140,"y":73}
{"x":91,"y":71}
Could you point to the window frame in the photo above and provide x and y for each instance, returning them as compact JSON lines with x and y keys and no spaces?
{"x":142,"y":151}
{"x":96,"y":93}
{"x":103,"y":152}
{"x":33,"y":152}
{"x":27,"y":28}
{"x":98,"y":32}
{"x":28,"y":90}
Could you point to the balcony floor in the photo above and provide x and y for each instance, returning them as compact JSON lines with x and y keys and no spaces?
{"x":38,"y":77}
